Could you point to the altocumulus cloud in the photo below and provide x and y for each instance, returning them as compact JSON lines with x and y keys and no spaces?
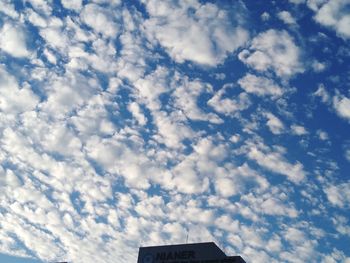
{"x":129,"y":123}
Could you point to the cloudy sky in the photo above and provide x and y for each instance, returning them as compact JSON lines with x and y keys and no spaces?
{"x":136,"y":123}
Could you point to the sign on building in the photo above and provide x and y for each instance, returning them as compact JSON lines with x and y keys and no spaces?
{"x":186,"y":253}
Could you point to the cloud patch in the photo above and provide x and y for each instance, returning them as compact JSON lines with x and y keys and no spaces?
{"x":339,"y":195}
{"x":341,"y":105}
{"x":72,"y":4}
{"x":260,"y":86}
{"x":286,"y":17}
{"x":275,"y":125}
{"x":273,"y":50}
{"x":333,"y":14}
{"x":13,"y":41}
{"x":191,"y":31}
{"x":13,"y":98}
{"x":229,"y":105}
{"x":100,"y":19}
{"x":276,"y":162}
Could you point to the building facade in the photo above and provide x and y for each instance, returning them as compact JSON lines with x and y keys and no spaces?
{"x":186,"y":253}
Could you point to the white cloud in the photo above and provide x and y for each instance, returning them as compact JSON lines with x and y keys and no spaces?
{"x":186,"y":96}
{"x":276,"y":207}
{"x":260,"y":86}
{"x":92,"y":119}
{"x":112,"y":2}
{"x":347,"y":155}
{"x":42,"y":6}
{"x":102,"y":59}
{"x":336,"y":256}
{"x":15,"y":99}
{"x":318,"y":66}
{"x":64,"y":96}
{"x":220,"y":76}
{"x":100,"y":19}
{"x":176,"y":231}
{"x":332,"y":14}
{"x":235,"y":181}
{"x":127,"y":158}
{"x":193,"y":172}
{"x":301,"y":244}
{"x":275,"y":162}
{"x":205,"y":37}
{"x":322,"y":93}
{"x":8,"y":8}
{"x":55,"y":37}
{"x":235,"y":138}
{"x":135,"y":109}
{"x":254,"y":254}
{"x":13,"y":40}
{"x":60,"y":139}
{"x":253,"y":238}
{"x":77,"y":32}
{"x":33,"y":238}
{"x":341,"y":105}
{"x":226,"y":187}
{"x":265,"y":16}
{"x":298,"y":129}
{"x":150,"y":87}
{"x":274,"y":244}
{"x":297,"y":2}
{"x":339,"y":195}
{"x":273,"y":50}
{"x":269,"y":204}
{"x":315,"y":4}
{"x":36,"y":19}
{"x":225,"y":105}
{"x":72,"y":4}
{"x":152,"y":207}
{"x":171,"y":130}
{"x":227,"y":223}
{"x":187,"y":211}
{"x":341,"y":224}
{"x":275,"y":125}
{"x":295,"y":235}
{"x":339,"y":102}
{"x":133,"y":54}
{"x":50,"y":56}
{"x":286,"y":17}
{"x":171,"y":126}
{"x":187,"y":179}
{"x":322,"y":135}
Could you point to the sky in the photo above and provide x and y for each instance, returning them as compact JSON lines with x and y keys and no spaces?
{"x":144,"y":122}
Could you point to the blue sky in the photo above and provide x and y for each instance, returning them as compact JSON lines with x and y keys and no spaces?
{"x":132,"y":123}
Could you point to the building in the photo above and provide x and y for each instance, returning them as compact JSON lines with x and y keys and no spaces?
{"x":186,"y":253}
